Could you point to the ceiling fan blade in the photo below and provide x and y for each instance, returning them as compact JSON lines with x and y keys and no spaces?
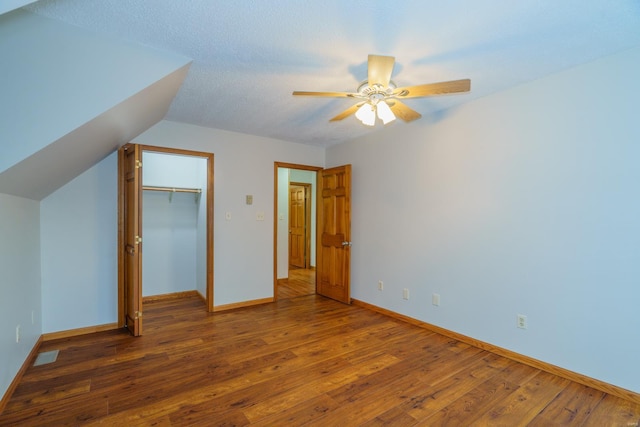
{"x":380,"y":69}
{"x":402,"y":111}
{"x":327,"y":94}
{"x":453,"y":86}
{"x":346,"y":113}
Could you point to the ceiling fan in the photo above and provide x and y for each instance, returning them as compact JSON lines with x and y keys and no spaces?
{"x":379,"y":95}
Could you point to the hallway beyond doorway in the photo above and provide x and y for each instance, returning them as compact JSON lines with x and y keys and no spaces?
{"x":301,"y":281}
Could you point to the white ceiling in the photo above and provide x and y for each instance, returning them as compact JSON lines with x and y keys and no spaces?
{"x":249,"y":55}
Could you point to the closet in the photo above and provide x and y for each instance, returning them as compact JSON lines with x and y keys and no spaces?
{"x":174,"y":224}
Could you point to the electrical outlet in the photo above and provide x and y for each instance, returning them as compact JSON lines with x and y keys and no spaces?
{"x":380,"y":285}
{"x":435,"y":299}
{"x":522,"y":321}
{"x":405,"y":293}
{"x":260,"y":216}
{"x":18,"y":333}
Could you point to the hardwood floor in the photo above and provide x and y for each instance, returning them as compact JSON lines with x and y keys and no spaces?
{"x":299,"y":283}
{"x":306,"y":360}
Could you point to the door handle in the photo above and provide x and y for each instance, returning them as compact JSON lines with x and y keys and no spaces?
{"x":347,"y":244}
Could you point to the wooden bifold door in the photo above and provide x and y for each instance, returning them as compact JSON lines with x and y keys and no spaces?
{"x":130,"y":183}
{"x":130,"y":239}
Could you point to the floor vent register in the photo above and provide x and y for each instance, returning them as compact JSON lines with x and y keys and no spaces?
{"x":46,"y":357}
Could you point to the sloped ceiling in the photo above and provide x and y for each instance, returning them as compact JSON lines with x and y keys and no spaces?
{"x":50,"y":168}
{"x":9,"y":5}
{"x":70,"y":97}
{"x":249,"y":55}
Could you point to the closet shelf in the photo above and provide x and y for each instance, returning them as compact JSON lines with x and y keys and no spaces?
{"x":171,"y":190}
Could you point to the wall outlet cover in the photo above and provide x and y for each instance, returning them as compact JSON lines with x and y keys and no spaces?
{"x":522,"y":321}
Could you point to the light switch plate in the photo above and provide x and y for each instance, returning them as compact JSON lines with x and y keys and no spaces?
{"x":435,"y":299}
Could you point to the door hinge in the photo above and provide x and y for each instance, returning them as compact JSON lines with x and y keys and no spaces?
{"x":138,"y":314}
{"x":138,"y":240}
{"x":138,"y":164}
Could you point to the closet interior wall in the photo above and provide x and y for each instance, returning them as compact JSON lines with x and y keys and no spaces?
{"x":173,"y":223}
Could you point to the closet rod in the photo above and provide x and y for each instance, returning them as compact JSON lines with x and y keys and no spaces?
{"x":173,"y":189}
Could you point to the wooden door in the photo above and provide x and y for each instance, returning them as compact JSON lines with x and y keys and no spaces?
{"x":334,"y":224}
{"x":130,"y":176}
{"x":297,"y":226}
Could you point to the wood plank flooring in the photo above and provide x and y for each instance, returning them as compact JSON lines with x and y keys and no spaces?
{"x":300,"y":361}
{"x":300,"y":282}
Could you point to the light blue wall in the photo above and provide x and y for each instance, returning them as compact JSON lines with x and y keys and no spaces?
{"x":19,"y":283}
{"x":201,"y":229}
{"x":524,"y":202}
{"x":282,"y":235}
{"x":79,"y":251}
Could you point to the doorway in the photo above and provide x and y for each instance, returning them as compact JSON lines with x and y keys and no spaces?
{"x":176,"y":188}
{"x":332,"y":246}
{"x":295,"y":230}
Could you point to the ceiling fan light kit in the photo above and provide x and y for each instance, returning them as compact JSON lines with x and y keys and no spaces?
{"x":384,"y":112}
{"x":382,"y":97}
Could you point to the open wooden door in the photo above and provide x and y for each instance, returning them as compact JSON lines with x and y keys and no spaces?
{"x":334,"y":225}
{"x":130,"y":181}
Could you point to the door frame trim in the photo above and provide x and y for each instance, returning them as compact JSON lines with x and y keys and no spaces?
{"x":209,"y":298}
{"x":277,"y":165}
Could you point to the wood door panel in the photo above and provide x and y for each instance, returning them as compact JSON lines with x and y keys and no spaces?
{"x":335,"y":234}
{"x":131,"y":246}
{"x":297,"y":227}
{"x":334,"y":240}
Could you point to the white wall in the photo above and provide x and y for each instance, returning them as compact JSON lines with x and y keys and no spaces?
{"x":244,"y":164}
{"x":19,"y":283}
{"x":79,"y":251}
{"x":170,"y":223}
{"x":525,"y":202}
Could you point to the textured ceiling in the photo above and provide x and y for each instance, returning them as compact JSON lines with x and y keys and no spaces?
{"x":249,"y":55}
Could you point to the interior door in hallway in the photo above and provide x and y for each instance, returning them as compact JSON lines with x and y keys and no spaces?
{"x":334,"y":254}
{"x":130,"y":248}
{"x":299,"y":211}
